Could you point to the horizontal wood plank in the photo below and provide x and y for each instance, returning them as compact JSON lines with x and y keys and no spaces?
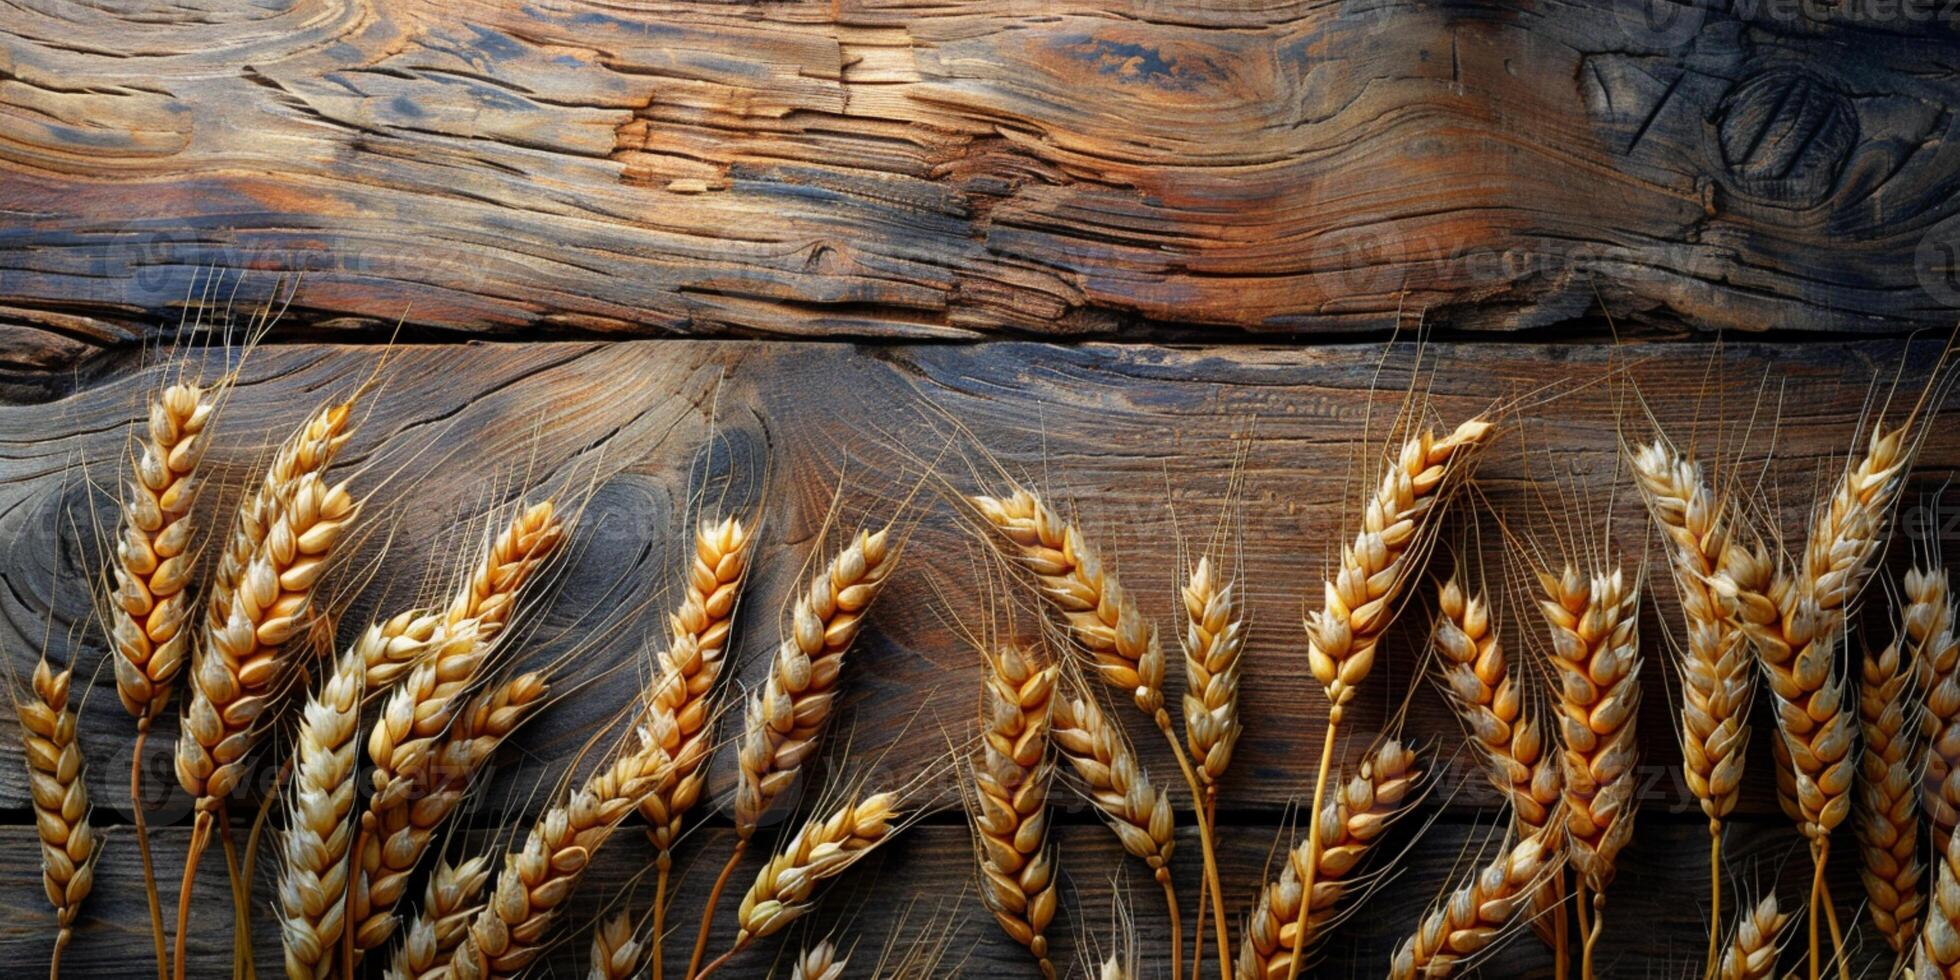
{"x":1082,"y":167}
{"x":920,"y":889}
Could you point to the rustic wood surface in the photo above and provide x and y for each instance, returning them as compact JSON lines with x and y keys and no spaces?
{"x":1137,"y":440}
{"x":1063,"y":167}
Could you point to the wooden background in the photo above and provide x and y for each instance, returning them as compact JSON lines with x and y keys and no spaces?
{"x":784,"y":254}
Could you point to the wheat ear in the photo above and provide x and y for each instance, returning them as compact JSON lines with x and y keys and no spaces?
{"x":1214,"y":636}
{"x":791,"y":710}
{"x":320,"y":801}
{"x":1119,"y":789}
{"x":1750,"y":953}
{"x":1933,"y":652}
{"x":1474,"y":916}
{"x":450,"y":899}
{"x":1718,"y":676}
{"x":281,"y":540}
{"x":1939,"y":940}
{"x":1123,"y":645}
{"x":429,"y":739}
{"x":1796,"y":620}
{"x":511,"y":931}
{"x":1399,"y":524}
{"x":1010,"y":799}
{"x":59,"y":791}
{"x":1361,"y":809}
{"x":151,"y":605}
{"x":617,"y":948}
{"x":1887,"y":815}
{"x":826,"y":847}
{"x":1492,"y":705}
{"x":786,"y":716}
{"x":818,"y":962}
{"x":1595,"y":658}
{"x":681,"y":701}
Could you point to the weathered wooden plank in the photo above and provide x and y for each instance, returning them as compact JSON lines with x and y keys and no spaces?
{"x":1655,"y":925}
{"x":1137,"y":440}
{"x":896,"y":169}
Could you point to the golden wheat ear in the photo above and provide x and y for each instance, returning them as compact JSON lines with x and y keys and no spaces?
{"x":1009,"y":799}
{"x":1469,"y":920}
{"x":451,"y":898}
{"x":617,"y":948}
{"x":1886,"y":818}
{"x":1933,"y":651}
{"x":58,"y":788}
{"x":1352,"y":822}
{"x":320,"y":803}
{"x":1752,"y":946}
{"x":818,"y":961}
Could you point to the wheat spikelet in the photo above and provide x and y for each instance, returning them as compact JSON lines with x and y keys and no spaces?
{"x":1718,"y":679}
{"x":1939,"y":940}
{"x":450,"y":899}
{"x":490,"y":594}
{"x":1114,"y":781}
{"x":1010,"y":800}
{"x":1475,"y":915}
{"x":1933,"y":651}
{"x":1887,"y":818}
{"x":153,"y":560}
{"x":680,"y":702}
{"x":1123,"y":645}
{"x":59,"y":792}
{"x":394,"y":838}
{"x":396,"y":646}
{"x":616,"y":949}
{"x":787,"y":715}
{"x":320,"y":799}
{"x":1351,"y":822}
{"x":1750,"y":953}
{"x":822,"y":850}
{"x":1214,"y":635}
{"x":1595,"y":655}
{"x":1398,"y":524}
{"x":509,"y":933}
{"x":240,"y":668}
{"x":818,"y":962}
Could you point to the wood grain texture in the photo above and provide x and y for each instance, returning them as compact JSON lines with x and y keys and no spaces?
{"x":925,"y":878}
{"x":1136,"y":440}
{"x":1066,"y":167}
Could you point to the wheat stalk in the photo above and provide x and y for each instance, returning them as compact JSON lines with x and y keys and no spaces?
{"x":1933,"y":651}
{"x":320,"y":800}
{"x":1795,"y":618}
{"x":1399,"y":524}
{"x":59,"y":791}
{"x":785,"y":717}
{"x":818,"y":961}
{"x":450,"y":899}
{"x":429,"y":739}
{"x":1361,"y":809}
{"x":1718,"y":678}
{"x":151,"y":604}
{"x":1491,"y":705}
{"x":616,"y":948}
{"x":681,"y":700}
{"x":1471,"y":918}
{"x":1123,"y":645}
{"x":1887,"y":818}
{"x":509,"y":933}
{"x":1595,"y":657}
{"x":1010,"y":800}
{"x":1752,"y":947}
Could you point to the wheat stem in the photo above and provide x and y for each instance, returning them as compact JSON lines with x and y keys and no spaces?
{"x":142,"y":828}
{"x":1715,"y":895}
{"x":694,"y":969}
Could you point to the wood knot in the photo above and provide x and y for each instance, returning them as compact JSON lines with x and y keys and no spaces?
{"x":1785,"y":136}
